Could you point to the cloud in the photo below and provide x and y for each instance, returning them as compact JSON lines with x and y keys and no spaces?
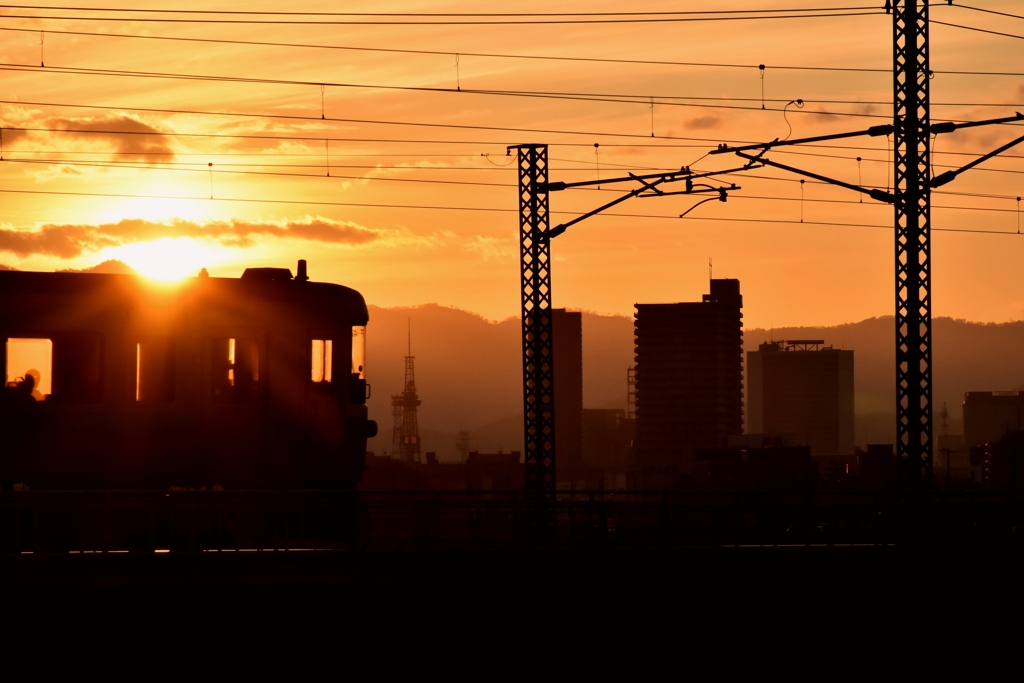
{"x":704,"y":122}
{"x":70,"y":240}
{"x":129,"y":137}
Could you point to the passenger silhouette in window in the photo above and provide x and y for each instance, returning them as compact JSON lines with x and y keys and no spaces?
{"x":26,"y":389}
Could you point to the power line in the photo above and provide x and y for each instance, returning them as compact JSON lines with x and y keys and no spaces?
{"x":122,"y":10}
{"x":319,"y":139}
{"x":494,"y":55}
{"x":578,"y":97}
{"x":623,"y":98}
{"x":296,"y":117}
{"x":990,"y":11}
{"x":976,"y":29}
{"x":823,"y":13}
{"x":220,"y":167}
{"x":464,"y":208}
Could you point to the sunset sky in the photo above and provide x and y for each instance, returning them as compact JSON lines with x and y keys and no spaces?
{"x":107,"y":151}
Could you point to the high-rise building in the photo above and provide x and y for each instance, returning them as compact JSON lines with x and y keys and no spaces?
{"x":689,"y":378}
{"x":567,"y":328}
{"x":803,"y":390}
{"x":988,"y":415}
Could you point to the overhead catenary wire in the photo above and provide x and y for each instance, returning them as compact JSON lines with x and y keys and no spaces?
{"x":469,"y":20}
{"x":297,"y":117}
{"x":294,"y":13}
{"x":978,"y":30}
{"x":470,"y":208}
{"x":494,"y":55}
{"x":677,"y":101}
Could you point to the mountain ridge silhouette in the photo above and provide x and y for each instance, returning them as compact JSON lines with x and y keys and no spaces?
{"x":468,"y":370}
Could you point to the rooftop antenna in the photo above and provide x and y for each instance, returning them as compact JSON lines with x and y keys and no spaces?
{"x":710,"y":277}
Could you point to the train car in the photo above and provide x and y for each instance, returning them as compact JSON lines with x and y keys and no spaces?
{"x":119,"y":382}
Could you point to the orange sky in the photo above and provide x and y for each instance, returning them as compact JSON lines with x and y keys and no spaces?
{"x":792,"y":274}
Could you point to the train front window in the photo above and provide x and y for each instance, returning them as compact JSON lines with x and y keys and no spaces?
{"x":322,"y":361}
{"x":236,"y":369}
{"x":30,"y":367}
{"x":359,"y":351}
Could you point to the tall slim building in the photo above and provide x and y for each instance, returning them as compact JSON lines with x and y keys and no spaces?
{"x":567,"y":330}
{"x":689,"y":377}
{"x":803,"y":390}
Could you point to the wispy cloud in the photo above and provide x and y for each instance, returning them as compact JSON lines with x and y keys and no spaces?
{"x":126,"y":136}
{"x":71,"y":240}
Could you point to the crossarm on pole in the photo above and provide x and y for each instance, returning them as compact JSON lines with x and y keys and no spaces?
{"x":878,"y":195}
{"x":948,"y":176}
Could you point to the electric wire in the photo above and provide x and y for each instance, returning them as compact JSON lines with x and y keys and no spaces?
{"x":149,"y":10}
{"x":622,"y":98}
{"x":978,"y":30}
{"x":488,"y":210}
{"x":990,"y":11}
{"x":437,"y":20}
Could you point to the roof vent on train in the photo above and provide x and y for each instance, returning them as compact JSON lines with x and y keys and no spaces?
{"x":267,"y":274}
{"x":275,"y":274}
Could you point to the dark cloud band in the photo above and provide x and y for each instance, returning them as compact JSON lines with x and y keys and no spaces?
{"x":71,"y":240}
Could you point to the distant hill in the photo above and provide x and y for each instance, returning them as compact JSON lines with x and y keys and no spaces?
{"x":111,"y":267}
{"x":468,"y":370}
{"x":967,"y":357}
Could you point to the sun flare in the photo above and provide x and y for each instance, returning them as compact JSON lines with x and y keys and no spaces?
{"x":168,"y":259}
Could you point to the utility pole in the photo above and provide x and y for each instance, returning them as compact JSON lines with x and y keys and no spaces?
{"x":911,"y":198}
{"x":535,"y":235}
{"x":538,"y":352}
{"x":912,"y":202}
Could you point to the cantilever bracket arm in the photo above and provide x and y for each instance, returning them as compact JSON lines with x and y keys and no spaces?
{"x":950,"y":126}
{"x":873,"y":131}
{"x":948,"y":176}
{"x":878,"y":195}
{"x":559,"y":229}
{"x":645,"y":187}
{"x":661,"y":177}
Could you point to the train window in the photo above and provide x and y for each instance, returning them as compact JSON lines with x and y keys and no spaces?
{"x":77,"y":367}
{"x":29,"y":367}
{"x":359,"y":351}
{"x":323,"y":360}
{"x":154,"y":370}
{"x":236,"y":370}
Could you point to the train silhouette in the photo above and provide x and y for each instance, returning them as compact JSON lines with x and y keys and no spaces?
{"x":118,"y":382}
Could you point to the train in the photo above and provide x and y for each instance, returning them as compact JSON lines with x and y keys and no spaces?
{"x":119,"y":382}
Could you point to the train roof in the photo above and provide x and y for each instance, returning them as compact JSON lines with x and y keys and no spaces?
{"x":263,"y":284}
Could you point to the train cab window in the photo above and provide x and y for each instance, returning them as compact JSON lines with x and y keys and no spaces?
{"x":154,"y":370}
{"x":29,"y":364}
{"x":357,"y":387}
{"x":236,"y":370}
{"x":323,"y":361}
{"x":359,"y":351}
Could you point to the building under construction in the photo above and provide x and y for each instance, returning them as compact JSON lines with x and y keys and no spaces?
{"x":688,"y":380}
{"x":405,"y":440}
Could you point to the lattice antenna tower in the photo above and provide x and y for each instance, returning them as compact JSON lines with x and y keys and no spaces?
{"x":406,"y":433}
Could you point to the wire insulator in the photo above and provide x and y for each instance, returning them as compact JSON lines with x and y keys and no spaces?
{"x":761,"y":68}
